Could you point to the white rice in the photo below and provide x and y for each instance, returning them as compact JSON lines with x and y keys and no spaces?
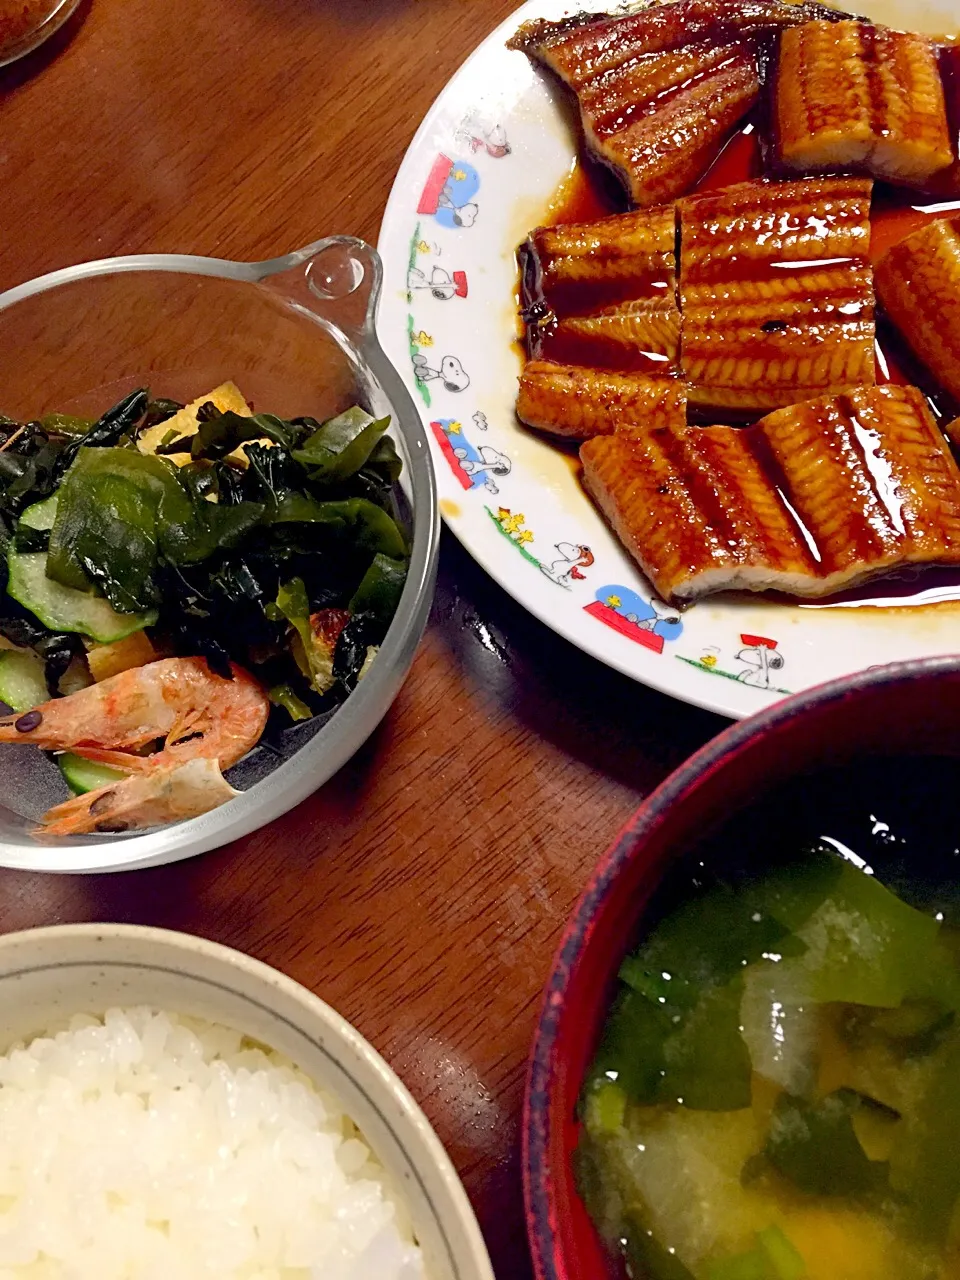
{"x":145,"y":1146}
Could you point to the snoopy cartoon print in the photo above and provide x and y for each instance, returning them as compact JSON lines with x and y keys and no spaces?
{"x":659,"y":613}
{"x":761,"y":658}
{"x":482,"y":468}
{"x":574,"y":558}
{"x":448,"y":193}
{"x":474,"y":466}
{"x":451,"y":373}
{"x":480,"y":135}
{"x":442,"y":285}
{"x":646,"y":620}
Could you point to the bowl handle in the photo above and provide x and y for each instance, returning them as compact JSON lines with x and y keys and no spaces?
{"x":337,"y":279}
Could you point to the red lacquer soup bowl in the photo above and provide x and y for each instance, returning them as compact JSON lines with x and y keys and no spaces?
{"x":903,"y":709}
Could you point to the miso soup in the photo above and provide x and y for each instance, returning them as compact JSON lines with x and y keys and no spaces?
{"x":776,"y":1092}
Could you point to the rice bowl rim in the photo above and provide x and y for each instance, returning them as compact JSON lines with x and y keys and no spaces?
{"x":320,"y":1026}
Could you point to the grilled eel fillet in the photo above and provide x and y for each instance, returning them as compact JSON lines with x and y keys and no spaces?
{"x":814,"y":498}
{"x":661,"y":89}
{"x":918,"y":282}
{"x":776,"y":292}
{"x":576,"y":403}
{"x":853,"y":96}
{"x":603,"y":293}
{"x":946,"y":182}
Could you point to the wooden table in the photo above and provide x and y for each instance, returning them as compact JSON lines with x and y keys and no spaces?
{"x":423,"y":890}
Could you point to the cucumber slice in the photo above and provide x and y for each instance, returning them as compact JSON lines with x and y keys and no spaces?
{"x":86,"y":775}
{"x":22,"y":681}
{"x":63,"y":609}
{"x":41,"y":515}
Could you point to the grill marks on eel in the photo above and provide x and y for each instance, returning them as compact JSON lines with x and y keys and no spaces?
{"x":918,"y":281}
{"x":575,"y":402}
{"x":813,"y":498}
{"x":817,"y":496}
{"x":661,"y":90}
{"x":855,"y":95}
{"x":776,"y":293}
{"x":774,"y":304}
{"x":604,"y":293}
{"x":603,"y":325}
{"x":696,"y":509}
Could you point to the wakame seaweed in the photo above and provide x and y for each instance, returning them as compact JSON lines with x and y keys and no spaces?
{"x":206,"y":548}
{"x":775,"y":1093}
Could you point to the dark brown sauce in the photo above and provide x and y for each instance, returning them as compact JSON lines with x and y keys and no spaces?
{"x":738,"y":161}
{"x":588,"y":193}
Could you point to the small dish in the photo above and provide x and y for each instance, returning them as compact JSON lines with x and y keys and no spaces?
{"x":903,"y":709}
{"x":297,"y":334}
{"x":38,"y":21}
{"x":48,"y":975}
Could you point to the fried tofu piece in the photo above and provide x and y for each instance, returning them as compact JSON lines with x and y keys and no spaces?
{"x":227,"y":398}
{"x":575,"y":402}
{"x":776,"y":293}
{"x":812,"y":499}
{"x":603,"y":293}
{"x":851,"y":95}
{"x":918,"y":283}
{"x":661,"y":89}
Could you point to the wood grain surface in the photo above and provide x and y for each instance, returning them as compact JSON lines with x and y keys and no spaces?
{"x":423,"y":890}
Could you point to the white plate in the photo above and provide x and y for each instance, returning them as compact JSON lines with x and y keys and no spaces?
{"x":477,"y":177}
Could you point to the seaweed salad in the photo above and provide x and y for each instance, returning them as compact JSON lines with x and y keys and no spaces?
{"x":270,"y":548}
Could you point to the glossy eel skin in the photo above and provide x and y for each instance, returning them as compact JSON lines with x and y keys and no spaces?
{"x":812,"y":499}
{"x":603,"y":293}
{"x":918,"y":282}
{"x":776,"y":293}
{"x":661,"y":90}
{"x":575,"y":402}
{"x":773,"y":304}
{"x":754,"y":299}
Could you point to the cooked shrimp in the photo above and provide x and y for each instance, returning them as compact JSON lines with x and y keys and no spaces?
{"x":169,"y":793}
{"x":177,"y":699}
{"x":199,"y":716}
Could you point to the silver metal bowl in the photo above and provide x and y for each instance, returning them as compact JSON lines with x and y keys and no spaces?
{"x":297,"y":335}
